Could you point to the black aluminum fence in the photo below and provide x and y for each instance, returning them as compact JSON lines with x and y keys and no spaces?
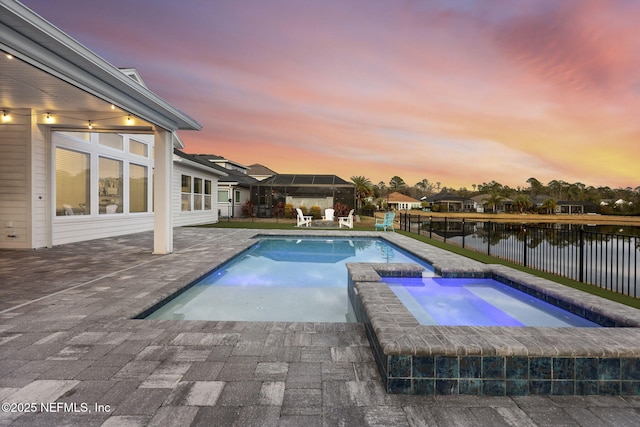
{"x":607,"y":260}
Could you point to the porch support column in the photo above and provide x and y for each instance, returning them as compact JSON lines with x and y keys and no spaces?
{"x":162,"y":190}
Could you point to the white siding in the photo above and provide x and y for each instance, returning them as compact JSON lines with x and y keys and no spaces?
{"x":40,"y":191}
{"x":181,"y":218}
{"x":78,"y":229}
{"x":14,"y":181}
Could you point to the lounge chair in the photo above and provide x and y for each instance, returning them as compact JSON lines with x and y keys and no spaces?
{"x":347,"y":221}
{"x":386,"y":222}
{"x":302,"y":220}
{"x":328,"y":215}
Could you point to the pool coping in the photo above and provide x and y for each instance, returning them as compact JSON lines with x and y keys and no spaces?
{"x":418,"y":359}
{"x":399,"y":343}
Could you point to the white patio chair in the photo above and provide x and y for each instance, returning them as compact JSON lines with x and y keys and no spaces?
{"x":347,"y":221}
{"x":302,"y":220}
{"x":328,"y":215}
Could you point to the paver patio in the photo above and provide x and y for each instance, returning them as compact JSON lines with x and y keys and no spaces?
{"x":67,"y":337}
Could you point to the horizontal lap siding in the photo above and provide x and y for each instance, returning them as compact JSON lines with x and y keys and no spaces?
{"x":76,"y":229}
{"x":181,"y":218}
{"x":14,"y":183}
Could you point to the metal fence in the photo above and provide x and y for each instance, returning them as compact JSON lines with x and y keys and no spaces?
{"x":607,"y":260}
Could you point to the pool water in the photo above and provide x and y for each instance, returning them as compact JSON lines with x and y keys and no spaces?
{"x":300,"y":279}
{"x":477,"y":302}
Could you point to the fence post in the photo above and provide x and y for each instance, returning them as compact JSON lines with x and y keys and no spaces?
{"x":444,"y":231}
{"x":430,"y":225}
{"x":524,"y":247}
{"x":488,"y":237}
{"x":581,"y":273}
{"x":463,"y":233}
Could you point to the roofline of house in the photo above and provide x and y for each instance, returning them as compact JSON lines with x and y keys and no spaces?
{"x":32,"y":39}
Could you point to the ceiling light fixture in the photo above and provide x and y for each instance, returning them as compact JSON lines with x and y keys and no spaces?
{"x":90,"y":125}
{"x":5,"y":116}
{"x":129,"y":119}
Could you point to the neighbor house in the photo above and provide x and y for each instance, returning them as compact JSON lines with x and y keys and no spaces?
{"x":234,"y":189}
{"x":325,"y":191}
{"x":86,"y":150}
{"x":399,"y":201}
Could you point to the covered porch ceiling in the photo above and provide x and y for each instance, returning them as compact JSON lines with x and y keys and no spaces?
{"x":24,"y":87}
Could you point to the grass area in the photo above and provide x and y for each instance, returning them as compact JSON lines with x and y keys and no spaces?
{"x":486,"y":259}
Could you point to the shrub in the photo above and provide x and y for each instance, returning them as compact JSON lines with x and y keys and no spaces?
{"x":315,"y":212}
{"x":278,"y":210}
{"x":288,"y":211}
{"x":341,"y":209}
{"x":247,"y":209}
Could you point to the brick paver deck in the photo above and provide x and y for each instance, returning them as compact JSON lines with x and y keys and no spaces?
{"x":68,"y":341}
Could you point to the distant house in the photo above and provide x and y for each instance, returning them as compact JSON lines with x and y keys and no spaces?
{"x":399,"y":201}
{"x":299,"y":190}
{"x":449,"y":202}
{"x":234,"y":189}
{"x":567,"y":207}
{"x":260,"y":172}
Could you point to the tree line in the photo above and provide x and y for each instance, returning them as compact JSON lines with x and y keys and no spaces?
{"x":623,"y":201}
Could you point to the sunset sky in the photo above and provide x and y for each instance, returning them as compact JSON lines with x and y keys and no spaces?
{"x":455,"y":91}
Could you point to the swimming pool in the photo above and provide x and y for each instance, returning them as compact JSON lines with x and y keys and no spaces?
{"x":477,"y":302}
{"x":298,"y":279}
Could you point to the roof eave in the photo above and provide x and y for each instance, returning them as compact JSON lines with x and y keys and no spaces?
{"x":65,"y":58}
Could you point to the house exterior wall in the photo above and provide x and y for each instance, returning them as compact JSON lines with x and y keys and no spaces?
{"x":193,"y":217}
{"x":15,"y":180}
{"x":40,"y":191}
{"x":233,"y":208}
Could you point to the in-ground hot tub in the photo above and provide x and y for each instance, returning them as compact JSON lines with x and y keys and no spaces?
{"x":497,"y":360}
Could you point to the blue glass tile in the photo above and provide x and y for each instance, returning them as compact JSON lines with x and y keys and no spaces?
{"x":446,"y":367}
{"x":398,"y":386}
{"x":609,"y":388}
{"x":493,"y":367}
{"x":563,"y":387}
{"x":493,"y":387}
{"x":563,"y":368}
{"x":586,"y":368}
{"x":423,"y":387}
{"x":540,"y":387}
{"x":399,"y":366}
{"x":470,"y":387}
{"x":586,"y":388}
{"x":540,"y":368}
{"x":446,"y":387}
{"x":517,"y":387}
{"x":517,"y":368}
{"x":470,"y":367}
{"x":423,"y":367}
{"x":630,"y":368}
{"x":609,"y":369}
{"x":630,"y":388}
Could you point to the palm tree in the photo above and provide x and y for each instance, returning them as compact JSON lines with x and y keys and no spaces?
{"x":364,"y":188}
{"x":493,"y":200}
{"x":522,"y":202}
{"x":549,"y":206}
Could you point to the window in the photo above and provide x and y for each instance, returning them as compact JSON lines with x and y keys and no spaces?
{"x":138,"y":148}
{"x":223,"y":196}
{"x":72,"y":183}
{"x":197,"y":194}
{"x":138,"y":188}
{"x":186,"y":193}
{"x":111,"y":140}
{"x":92,"y":178}
{"x":207,"y":195}
{"x":237,"y":195}
{"x":110,"y":186}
